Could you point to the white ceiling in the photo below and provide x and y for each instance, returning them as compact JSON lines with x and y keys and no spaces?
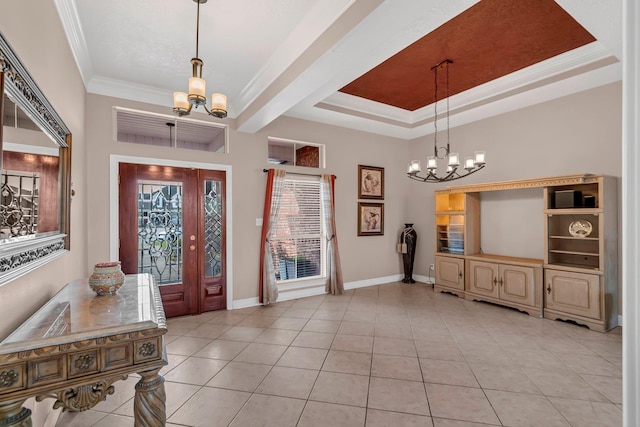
{"x":290,"y":57}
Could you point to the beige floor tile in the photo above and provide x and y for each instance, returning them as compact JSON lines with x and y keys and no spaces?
{"x":359,"y":316}
{"x":398,"y":396}
{"x":460,"y":403}
{"x":447,"y":372}
{"x":378,"y":418}
{"x":313,"y":340}
{"x":394,"y":346}
{"x":319,"y":414}
{"x":269,"y":411}
{"x":228,"y":318}
{"x":273,"y":310}
{"x":174,"y":360}
{"x":242,"y":333}
{"x":588,"y":414}
{"x":357,"y":343}
{"x":221,"y":349}
{"x":526,"y":410}
{"x":186,"y":346}
{"x":335,"y":303}
{"x":195,"y":370}
{"x":442,"y":422}
{"x":210,"y":407}
{"x":240,"y":376}
{"x":288,"y":382}
{"x":176,"y":393}
{"x":541,"y":359}
{"x":80,"y":419}
{"x":291,"y":323}
{"x":323,"y":314}
{"x":348,"y":362}
{"x":302,"y":357}
{"x":267,"y":354}
{"x":441,"y":350}
{"x":487,"y":354}
{"x":356,"y":328}
{"x":301,"y":313}
{"x":326,"y":326}
{"x":610,"y":387}
{"x":563,"y":384}
{"x":495,"y":378}
{"x":393,"y":331}
{"x":179,"y":328}
{"x":589,"y":364}
{"x":345,"y":389}
{"x":113,"y":420}
{"x":309,"y":302}
{"x":276,"y":336}
{"x":398,"y":367}
{"x":208,"y":331}
{"x":256,"y":321}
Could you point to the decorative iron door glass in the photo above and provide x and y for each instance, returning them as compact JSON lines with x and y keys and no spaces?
{"x":213,"y":211}
{"x":160,"y":230}
{"x":20,"y":201}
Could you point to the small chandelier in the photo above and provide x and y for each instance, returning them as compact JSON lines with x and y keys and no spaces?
{"x":182,"y":102}
{"x":471,"y":165}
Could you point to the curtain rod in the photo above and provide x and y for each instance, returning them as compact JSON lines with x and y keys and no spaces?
{"x":298,"y":173}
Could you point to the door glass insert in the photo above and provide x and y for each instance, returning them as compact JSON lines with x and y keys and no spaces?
{"x":160,"y":230}
{"x":213,"y":228}
{"x":20,"y":201}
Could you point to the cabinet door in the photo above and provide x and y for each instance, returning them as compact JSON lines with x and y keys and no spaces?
{"x":517,"y":284}
{"x":483,"y":278}
{"x":574,"y":293}
{"x":450,"y":272}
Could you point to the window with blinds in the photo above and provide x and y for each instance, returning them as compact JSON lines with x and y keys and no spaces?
{"x":297,"y":247}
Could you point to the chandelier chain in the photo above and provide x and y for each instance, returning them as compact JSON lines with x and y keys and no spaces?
{"x":198,"y":30}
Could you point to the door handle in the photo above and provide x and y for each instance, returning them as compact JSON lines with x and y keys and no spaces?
{"x":549,"y":288}
{"x":192,"y":247}
{"x":460,"y":274}
{"x":500,"y":281}
{"x":495,"y":281}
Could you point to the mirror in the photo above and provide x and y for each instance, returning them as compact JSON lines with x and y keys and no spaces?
{"x":35,"y":177}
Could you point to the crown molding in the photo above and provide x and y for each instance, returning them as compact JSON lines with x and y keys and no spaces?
{"x":71,"y":25}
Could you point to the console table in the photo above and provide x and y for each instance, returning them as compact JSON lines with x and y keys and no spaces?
{"x":78,"y":344}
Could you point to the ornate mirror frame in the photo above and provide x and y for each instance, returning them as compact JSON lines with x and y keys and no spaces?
{"x":21,"y":256}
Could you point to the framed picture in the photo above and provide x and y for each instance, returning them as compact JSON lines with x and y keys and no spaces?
{"x":370,"y":219}
{"x":370,"y":182}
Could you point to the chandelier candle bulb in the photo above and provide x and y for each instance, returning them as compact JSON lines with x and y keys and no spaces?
{"x":197,"y":87}
{"x":218,"y":102}
{"x":180,"y":101}
{"x":414,"y":167}
{"x":469,"y":163}
{"x":479,"y":158}
{"x":454,"y":159}
{"x":432,"y":163}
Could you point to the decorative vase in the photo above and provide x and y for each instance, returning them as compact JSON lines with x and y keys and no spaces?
{"x":409,"y":237}
{"x":107,"y":278}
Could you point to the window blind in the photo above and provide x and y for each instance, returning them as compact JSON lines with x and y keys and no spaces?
{"x":297,"y":245}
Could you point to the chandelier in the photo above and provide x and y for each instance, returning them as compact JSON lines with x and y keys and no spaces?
{"x":471,"y":165}
{"x":182,"y":102}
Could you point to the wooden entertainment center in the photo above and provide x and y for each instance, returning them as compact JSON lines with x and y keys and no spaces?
{"x":577,"y":280}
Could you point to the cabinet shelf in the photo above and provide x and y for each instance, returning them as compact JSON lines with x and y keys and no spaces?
{"x":556,"y":251}
{"x":574,"y":238}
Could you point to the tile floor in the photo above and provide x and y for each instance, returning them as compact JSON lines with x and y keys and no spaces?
{"x":388,"y":355}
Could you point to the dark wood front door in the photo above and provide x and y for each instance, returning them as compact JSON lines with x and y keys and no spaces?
{"x":172,"y":225}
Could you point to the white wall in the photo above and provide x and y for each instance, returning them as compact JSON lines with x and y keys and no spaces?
{"x":362,"y":257}
{"x":580,"y":133}
{"x":35,"y":34}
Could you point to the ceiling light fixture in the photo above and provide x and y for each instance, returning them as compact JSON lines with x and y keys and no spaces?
{"x":182,"y":102}
{"x":471,"y":165}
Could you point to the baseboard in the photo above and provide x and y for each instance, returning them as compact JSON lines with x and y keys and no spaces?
{"x":372,"y":282}
{"x":284,"y":295}
{"x":244,"y":303}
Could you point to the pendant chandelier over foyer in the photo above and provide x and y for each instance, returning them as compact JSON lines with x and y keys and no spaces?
{"x":471,"y":165}
{"x":182,"y":102}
